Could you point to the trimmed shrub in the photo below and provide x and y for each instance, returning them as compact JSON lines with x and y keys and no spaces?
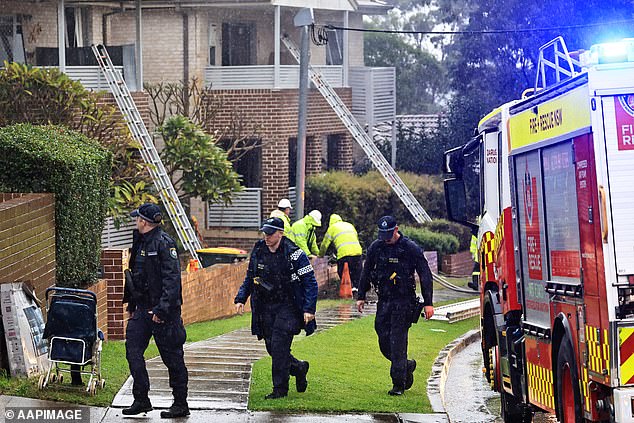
{"x":444,"y":243}
{"x":362,"y":200}
{"x":443,"y":226}
{"x":77,"y":170}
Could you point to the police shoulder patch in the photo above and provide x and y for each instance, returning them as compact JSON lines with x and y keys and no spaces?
{"x":173,"y":253}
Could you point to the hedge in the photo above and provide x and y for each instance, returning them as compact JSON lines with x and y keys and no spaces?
{"x":444,"y":243}
{"x":362,"y":200}
{"x":77,"y":170}
{"x":443,"y":226}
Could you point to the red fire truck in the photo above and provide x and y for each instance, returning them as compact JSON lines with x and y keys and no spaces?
{"x":554,"y":184}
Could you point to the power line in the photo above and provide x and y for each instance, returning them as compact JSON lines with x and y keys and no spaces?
{"x":485,"y":31}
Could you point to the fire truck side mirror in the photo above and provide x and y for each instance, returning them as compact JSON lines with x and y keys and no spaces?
{"x":456,"y":199}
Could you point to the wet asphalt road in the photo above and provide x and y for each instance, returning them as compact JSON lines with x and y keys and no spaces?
{"x":468,"y":398}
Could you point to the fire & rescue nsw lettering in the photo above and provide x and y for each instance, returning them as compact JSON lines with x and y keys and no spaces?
{"x":554,"y":118}
{"x":546,"y":121}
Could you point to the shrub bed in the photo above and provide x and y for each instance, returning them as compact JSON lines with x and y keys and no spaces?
{"x":362,"y":200}
{"x":77,"y":170}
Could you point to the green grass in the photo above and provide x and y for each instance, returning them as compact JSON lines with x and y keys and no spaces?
{"x":348,"y":372}
{"x":114,"y":367}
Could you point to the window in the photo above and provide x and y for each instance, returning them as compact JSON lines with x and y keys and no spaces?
{"x":546,"y":198}
{"x":78,"y":24}
{"x":562,"y":223}
{"x":238,"y":44}
{"x":530,"y":214}
{"x":334,"y":48}
{"x":249,"y":167}
{"x":11,"y":40}
{"x":292,"y":161}
{"x":330,"y":152}
{"x":213,"y":36}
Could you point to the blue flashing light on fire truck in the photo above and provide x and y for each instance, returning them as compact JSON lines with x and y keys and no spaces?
{"x":553,"y":173}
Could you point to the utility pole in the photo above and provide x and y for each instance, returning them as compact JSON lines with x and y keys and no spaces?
{"x":303,"y":20}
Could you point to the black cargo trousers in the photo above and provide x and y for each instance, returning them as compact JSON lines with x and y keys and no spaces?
{"x":280,"y":323}
{"x":392,"y":322}
{"x":169,"y":337}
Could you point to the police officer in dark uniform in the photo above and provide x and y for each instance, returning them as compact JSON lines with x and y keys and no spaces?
{"x":154,"y":296}
{"x":283,"y":290}
{"x":390,"y":265}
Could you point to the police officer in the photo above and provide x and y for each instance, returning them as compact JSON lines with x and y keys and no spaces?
{"x":390,"y":265}
{"x":346,"y":242}
{"x":154,"y":298}
{"x":283,"y":291}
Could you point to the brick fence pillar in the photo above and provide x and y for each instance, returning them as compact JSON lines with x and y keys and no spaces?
{"x":114,"y":262}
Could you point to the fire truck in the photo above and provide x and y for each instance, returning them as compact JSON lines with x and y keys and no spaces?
{"x":553,"y":185}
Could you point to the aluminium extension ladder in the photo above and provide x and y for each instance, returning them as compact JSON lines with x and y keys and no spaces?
{"x":363,"y":139}
{"x":148,"y":151}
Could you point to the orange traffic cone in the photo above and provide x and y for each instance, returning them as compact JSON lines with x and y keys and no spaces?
{"x":345,"y":289}
{"x":192,"y":266}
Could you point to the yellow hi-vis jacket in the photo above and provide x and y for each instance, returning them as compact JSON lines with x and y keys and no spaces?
{"x":287,"y":220}
{"x":302,"y":233}
{"x":343,"y":235}
{"x":474,"y":248}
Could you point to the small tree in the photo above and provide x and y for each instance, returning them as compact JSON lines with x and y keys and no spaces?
{"x":202,"y":107}
{"x":196,"y":165}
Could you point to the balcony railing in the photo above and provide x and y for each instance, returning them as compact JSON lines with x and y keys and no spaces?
{"x":90,"y":77}
{"x":111,"y":236}
{"x":373,"y":94}
{"x":245,"y":211}
{"x":263,"y":76}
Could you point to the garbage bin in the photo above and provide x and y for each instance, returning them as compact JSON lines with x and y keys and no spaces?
{"x":219,"y":255}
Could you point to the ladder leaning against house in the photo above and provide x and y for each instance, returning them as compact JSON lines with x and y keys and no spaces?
{"x":363,"y":139}
{"x":148,"y":151}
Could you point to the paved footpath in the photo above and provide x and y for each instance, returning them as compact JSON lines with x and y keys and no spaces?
{"x":220,"y":368}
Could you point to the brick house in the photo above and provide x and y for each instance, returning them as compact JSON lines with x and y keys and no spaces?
{"x":234,"y":47}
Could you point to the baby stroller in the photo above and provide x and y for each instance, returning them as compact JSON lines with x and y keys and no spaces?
{"x":73,"y":337}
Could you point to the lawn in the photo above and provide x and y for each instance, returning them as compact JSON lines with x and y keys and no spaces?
{"x":114,"y":366}
{"x":348,"y":372}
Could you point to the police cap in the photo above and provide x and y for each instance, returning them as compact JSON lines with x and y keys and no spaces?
{"x":386,"y":225}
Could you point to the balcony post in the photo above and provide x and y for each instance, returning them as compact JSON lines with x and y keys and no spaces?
{"x":276,"y":54}
{"x":346,"y":49}
{"x":61,"y":36}
{"x":138,"y":47}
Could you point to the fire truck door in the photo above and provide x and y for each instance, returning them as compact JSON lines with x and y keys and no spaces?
{"x":592,"y":320}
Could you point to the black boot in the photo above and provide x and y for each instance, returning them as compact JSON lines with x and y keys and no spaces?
{"x":396,"y":391}
{"x":137,"y":407}
{"x":276,"y":394}
{"x":176,"y":410}
{"x":409,"y":380}
{"x":300,"y":378}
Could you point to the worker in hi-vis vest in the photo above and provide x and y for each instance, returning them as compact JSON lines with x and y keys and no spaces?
{"x":475,"y":274}
{"x":344,"y":237}
{"x":303,"y":233}
{"x":283,"y":211}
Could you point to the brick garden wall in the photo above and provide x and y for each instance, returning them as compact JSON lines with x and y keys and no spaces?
{"x":27,"y":240}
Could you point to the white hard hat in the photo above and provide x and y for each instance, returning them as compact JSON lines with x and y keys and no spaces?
{"x":284,"y":204}
{"x":316,"y":215}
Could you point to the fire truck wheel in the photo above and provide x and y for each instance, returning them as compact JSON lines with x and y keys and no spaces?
{"x":568,"y":395}
{"x":513,"y":411}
